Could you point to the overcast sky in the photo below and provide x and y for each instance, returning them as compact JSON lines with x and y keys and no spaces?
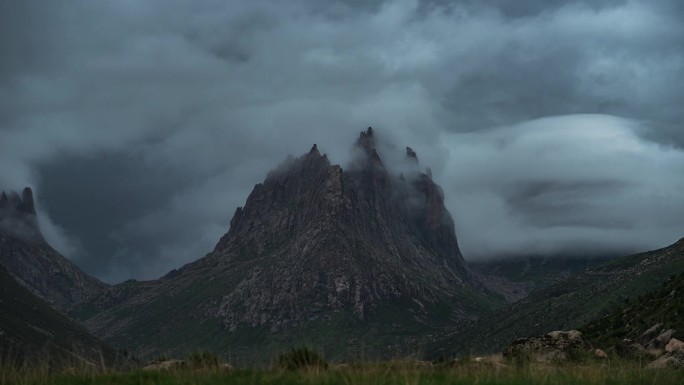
{"x":554,"y":127}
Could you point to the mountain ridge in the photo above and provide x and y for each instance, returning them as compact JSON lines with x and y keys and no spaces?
{"x":568,"y":304}
{"x":313,"y":244}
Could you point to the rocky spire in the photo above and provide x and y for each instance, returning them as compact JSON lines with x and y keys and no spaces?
{"x":366,"y":142}
{"x":27,"y":206}
{"x":410,"y":154}
{"x":18,"y":214}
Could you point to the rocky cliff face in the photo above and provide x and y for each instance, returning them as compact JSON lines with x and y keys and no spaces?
{"x":336,"y":240}
{"x":316,"y":243}
{"x":36,"y":265}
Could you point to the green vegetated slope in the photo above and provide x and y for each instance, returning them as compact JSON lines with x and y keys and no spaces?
{"x":663,"y":306}
{"x":569,"y":304}
{"x":173,"y":324}
{"x":516,"y":277}
{"x":32,"y":332}
{"x":540,"y":271}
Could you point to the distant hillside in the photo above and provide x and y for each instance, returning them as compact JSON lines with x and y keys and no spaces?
{"x":32,"y":333}
{"x":568,"y":304}
{"x":515,"y":278}
{"x":664,"y":306}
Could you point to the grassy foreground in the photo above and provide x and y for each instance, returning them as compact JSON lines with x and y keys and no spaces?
{"x":487,"y":373}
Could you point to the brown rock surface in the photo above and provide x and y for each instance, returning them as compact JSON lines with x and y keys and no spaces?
{"x":630,"y":349}
{"x":674,"y":345}
{"x":554,"y":346}
{"x":673,"y":360}
{"x":165,"y":365}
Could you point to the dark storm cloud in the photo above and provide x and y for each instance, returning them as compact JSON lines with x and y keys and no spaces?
{"x":143,"y":125}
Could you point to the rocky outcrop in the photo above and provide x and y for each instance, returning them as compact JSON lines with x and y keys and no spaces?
{"x":165,"y":365}
{"x":674,"y":345}
{"x":651,"y":333}
{"x":554,"y":346}
{"x":662,"y":339}
{"x":674,"y":360}
{"x":33,"y":262}
{"x":631,"y":349}
{"x":670,"y":355}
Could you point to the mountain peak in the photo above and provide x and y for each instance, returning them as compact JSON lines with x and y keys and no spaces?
{"x":27,"y":204}
{"x":315,"y":245}
{"x":309,"y":209}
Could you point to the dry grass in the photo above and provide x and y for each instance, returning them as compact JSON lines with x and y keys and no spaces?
{"x":491,"y":370}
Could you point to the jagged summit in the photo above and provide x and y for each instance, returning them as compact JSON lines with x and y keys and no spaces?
{"x":366,"y":142}
{"x":13,"y":201}
{"x":18,"y":215}
{"x":411,"y":154}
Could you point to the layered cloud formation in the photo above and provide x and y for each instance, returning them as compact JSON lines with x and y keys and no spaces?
{"x":554,"y":127}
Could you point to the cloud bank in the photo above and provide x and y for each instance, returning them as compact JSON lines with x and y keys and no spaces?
{"x":554,"y":127}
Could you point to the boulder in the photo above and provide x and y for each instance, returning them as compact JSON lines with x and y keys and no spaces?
{"x":600,"y":354}
{"x":630,"y":349}
{"x":650,"y":334}
{"x":664,"y":337}
{"x":572,"y":335}
{"x":659,"y":342}
{"x":555,"y":346}
{"x":669,"y":360}
{"x":674,"y":345}
{"x":165,"y":365}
